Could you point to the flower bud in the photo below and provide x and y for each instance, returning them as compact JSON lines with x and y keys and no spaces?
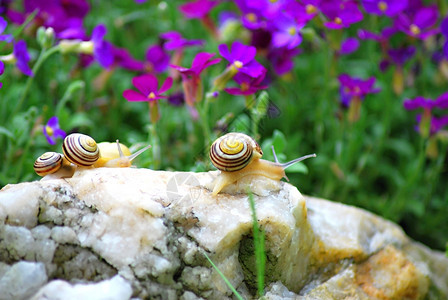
{"x":45,"y":37}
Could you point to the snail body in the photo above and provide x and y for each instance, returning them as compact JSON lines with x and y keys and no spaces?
{"x":121,"y":157}
{"x":238,"y":155}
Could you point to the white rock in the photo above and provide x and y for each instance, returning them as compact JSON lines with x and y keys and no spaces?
{"x":152,"y":228}
{"x":115,"y":288}
{"x":22,"y":280}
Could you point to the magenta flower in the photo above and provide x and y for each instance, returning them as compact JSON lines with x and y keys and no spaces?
{"x":22,"y":58}
{"x":341,"y":14}
{"x":147,"y":85}
{"x":175,"y":41}
{"x":157,"y":58}
{"x":201,"y":61}
{"x":389,"y":8}
{"x":352,"y":87}
{"x":102,"y":49}
{"x":349,"y":46}
{"x":247,"y":84}
{"x":287,"y":32}
{"x":4,"y":37}
{"x":191,"y":79}
{"x":242,"y":58}
{"x":52,"y":131}
{"x":197,"y":9}
{"x":419,"y":24}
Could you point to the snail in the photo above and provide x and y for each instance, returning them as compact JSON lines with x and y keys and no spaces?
{"x":81,"y":150}
{"x":53,"y":163}
{"x":238,"y":155}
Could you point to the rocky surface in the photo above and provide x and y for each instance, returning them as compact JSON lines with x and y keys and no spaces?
{"x":136,"y":233}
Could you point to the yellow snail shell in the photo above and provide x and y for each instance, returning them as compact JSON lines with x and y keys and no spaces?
{"x":237,"y":155}
{"x":116,"y":155}
{"x":80,"y":149}
{"x":53,"y":163}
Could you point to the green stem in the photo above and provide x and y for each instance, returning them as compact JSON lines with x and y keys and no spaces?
{"x":434,"y":176}
{"x":44,"y":54}
{"x":155,"y":146}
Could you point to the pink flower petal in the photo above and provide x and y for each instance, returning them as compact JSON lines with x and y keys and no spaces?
{"x":132,"y":95}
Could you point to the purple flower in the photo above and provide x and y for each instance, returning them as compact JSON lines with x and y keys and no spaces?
{"x":248,"y":85}
{"x":341,"y":14}
{"x":282,"y":59}
{"x":242,"y":58}
{"x":385,"y":7}
{"x":401,"y":55}
{"x":123,"y":59}
{"x":436,"y":124}
{"x":2,"y":69}
{"x":419,"y":23}
{"x":349,"y":46}
{"x":175,"y":41}
{"x":191,"y":79}
{"x":157,"y":58}
{"x":352,"y":87}
{"x":52,"y":131}
{"x":102,"y":50}
{"x":444,"y":30}
{"x":147,"y":85}
{"x":287,"y":31}
{"x":303,"y":11}
{"x":251,"y":17}
{"x":386,"y":33}
{"x":197,"y":9}
{"x":64,"y":16}
{"x":22,"y":57}
{"x":427,"y":123}
{"x":4,"y":37}
{"x":428,"y":104}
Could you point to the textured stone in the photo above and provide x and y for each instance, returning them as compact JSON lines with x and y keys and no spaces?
{"x":143,"y":234}
{"x":22,"y":280}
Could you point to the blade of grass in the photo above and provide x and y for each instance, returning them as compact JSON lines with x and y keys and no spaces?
{"x":224,"y":278}
{"x":260,"y":257}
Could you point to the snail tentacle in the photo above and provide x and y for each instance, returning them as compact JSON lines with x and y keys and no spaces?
{"x":124,"y":161}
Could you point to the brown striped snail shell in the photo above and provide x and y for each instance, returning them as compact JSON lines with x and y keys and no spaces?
{"x":51,"y":165}
{"x":237,"y":155}
{"x":48,"y":163}
{"x":80,"y":149}
{"x":233,"y":151}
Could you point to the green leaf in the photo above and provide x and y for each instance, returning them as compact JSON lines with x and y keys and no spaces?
{"x":278,"y":141}
{"x":297,"y":168}
{"x":79,"y":120}
{"x":6,"y":132}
